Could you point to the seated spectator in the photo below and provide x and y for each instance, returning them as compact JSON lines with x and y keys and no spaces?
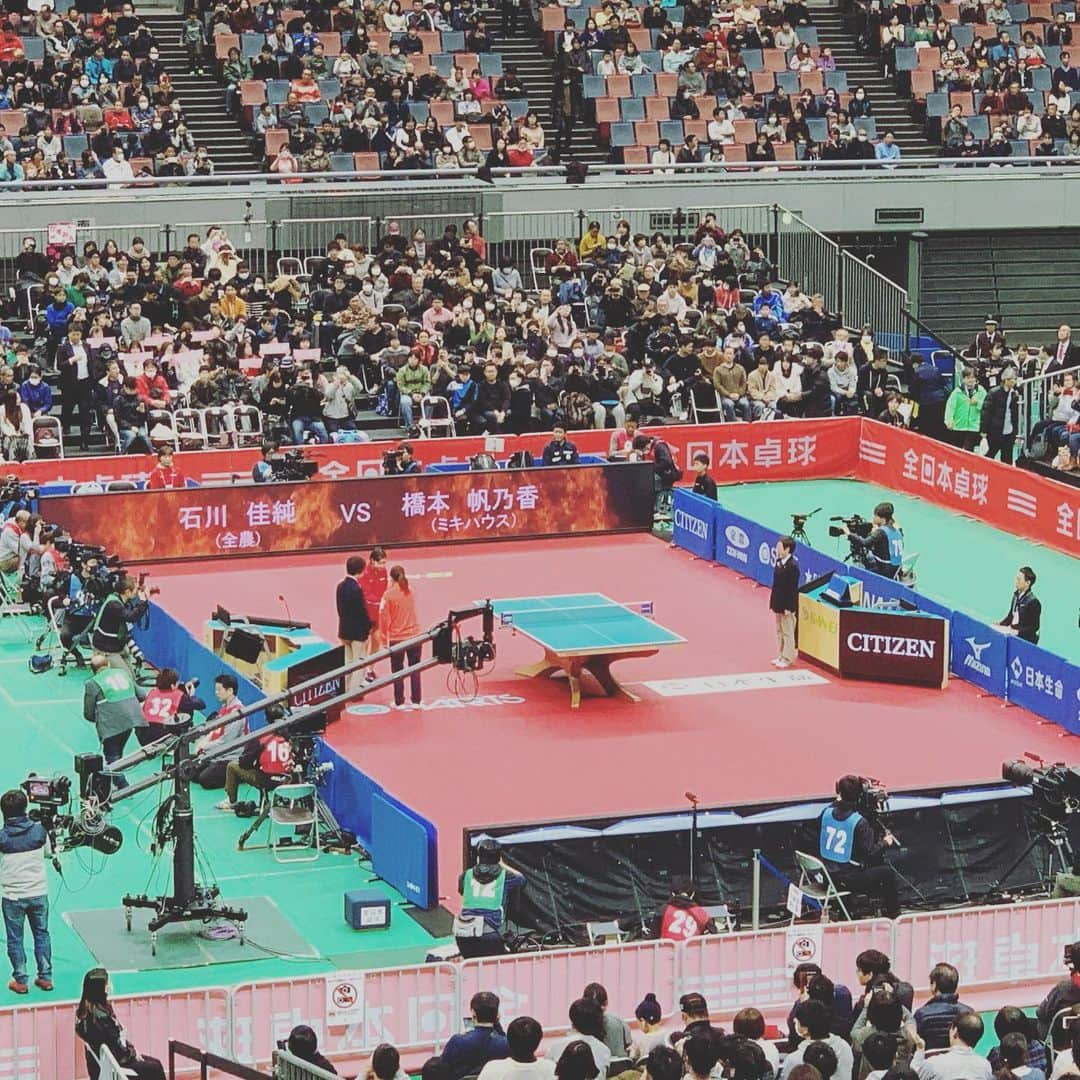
{"x":1009,"y":1021}
{"x":886,"y":1016}
{"x":523,"y":1038}
{"x":1064,"y":994}
{"x":961,"y":1060}
{"x":695,"y":1011}
{"x":813,"y":1024}
{"x":466,"y":1054}
{"x":586,"y":1027}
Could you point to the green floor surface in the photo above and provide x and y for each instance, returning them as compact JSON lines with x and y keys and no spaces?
{"x":963,"y":563}
{"x":41,"y":716}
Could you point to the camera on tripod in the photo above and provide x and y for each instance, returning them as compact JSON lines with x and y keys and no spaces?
{"x":292,"y":466}
{"x":303,"y":736}
{"x":471,"y":654}
{"x":1055,"y":788}
{"x":16,"y":496}
{"x":856,"y":524}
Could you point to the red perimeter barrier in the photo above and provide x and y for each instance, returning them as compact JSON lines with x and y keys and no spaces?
{"x":1019,"y":502}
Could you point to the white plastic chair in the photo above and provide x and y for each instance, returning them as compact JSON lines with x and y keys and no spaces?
{"x":161,"y":427}
{"x":605,"y":933}
{"x":245,"y":422}
{"x":817,"y":883}
{"x":294,"y":807}
{"x":190,"y":429}
{"x":48,"y":437}
{"x":538,"y":266}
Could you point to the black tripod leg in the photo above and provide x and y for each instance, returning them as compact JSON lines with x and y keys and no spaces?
{"x":996,"y":887}
{"x":249,"y":832}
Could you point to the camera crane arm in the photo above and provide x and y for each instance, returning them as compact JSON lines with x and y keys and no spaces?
{"x":443,"y":629}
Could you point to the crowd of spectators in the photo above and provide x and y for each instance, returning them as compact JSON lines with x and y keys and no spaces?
{"x":874,"y":1031}
{"x":620,"y":325}
{"x":96,"y":102}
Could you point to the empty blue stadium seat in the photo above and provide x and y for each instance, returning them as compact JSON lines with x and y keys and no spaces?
{"x":341,"y":163}
{"x":672,"y":130}
{"x":443,"y":63}
{"x":1019,"y":148}
{"x":622,"y":134}
{"x":836,"y":80}
{"x":1053,"y":55}
{"x":593,"y":86}
{"x":753,"y":59}
{"x":251,"y":45}
{"x":453,"y":41}
{"x":74,"y":145}
{"x":491,"y":64}
{"x":979,"y":126}
{"x":819,"y":129}
{"x":907,"y":59}
{"x":277,"y":91}
{"x":642,"y":85}
{"x":34,"y":48}
{"x":807,"y":34}
{"x":518,"y":107}
{"x":789,"y":80}
{"x":317,"y":112}
{"x":652,"y":60}
{"x":937,"y":104}
{"x":633,"y":108}
{"x":1041,"y":78}
{"x":964,"y":34}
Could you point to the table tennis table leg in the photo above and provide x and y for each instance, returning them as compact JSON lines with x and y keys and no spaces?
{"x":600,"y":669}
{"x":572,"y":668}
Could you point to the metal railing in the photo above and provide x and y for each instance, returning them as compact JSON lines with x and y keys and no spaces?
{"x":289,"y":1067}
{"x":869,"y":298}
{"x":1035,"y":394}
{"x":207,"y":1061}
{"x":706,"y":171}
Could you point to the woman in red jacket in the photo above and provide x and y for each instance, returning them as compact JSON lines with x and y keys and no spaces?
{"x":397,"y":623}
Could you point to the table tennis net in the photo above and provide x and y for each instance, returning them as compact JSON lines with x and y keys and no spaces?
{"x":587,"y":614}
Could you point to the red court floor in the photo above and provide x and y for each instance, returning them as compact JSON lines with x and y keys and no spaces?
{"x":522,"y":755}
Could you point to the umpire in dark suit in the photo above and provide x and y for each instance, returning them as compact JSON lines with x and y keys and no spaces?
{"x":1025,"y":610}
{"x":354,"y":623}
{"x":784,"y":600}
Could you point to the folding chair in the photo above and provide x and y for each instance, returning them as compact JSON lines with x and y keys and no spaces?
{"x":605,"y":933}
{"x":538,"y":266}
{"x":48,"y":437}
{"x":246,"y":425}
{"x":816,"y":882}
{"x":705,"y":406}
{"x":190,"y":429}
{"x":161,"y":427}
{"x":435,"y":412}
{"x":294,"y":823}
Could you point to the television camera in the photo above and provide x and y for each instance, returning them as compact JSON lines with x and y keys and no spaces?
{"x":16,"y":496}
{"x":1055,"y":788}
{"x":292,"y":466}
{"x":50,"y":800}
{"x":873,"y":798}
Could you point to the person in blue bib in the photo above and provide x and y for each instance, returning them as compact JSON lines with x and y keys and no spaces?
{"x":485,"y":891}
{"x":883,"y":548}
{"x":852,"y":846}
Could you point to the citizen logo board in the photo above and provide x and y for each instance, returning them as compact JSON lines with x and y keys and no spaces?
{"x":890,"y":645}
{"x":695,"y":526}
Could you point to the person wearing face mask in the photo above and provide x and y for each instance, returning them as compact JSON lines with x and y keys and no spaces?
{"x":861,"y":148}
{"x":36,"y":394}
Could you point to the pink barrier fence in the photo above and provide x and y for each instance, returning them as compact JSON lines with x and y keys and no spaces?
{"x":39,"y":1043}
{"x":418,"y":1008}
{"x":544,"y":984}
{"x":415,"y":1008}
{"x":734,"y":970}
{"x":991,"y":945}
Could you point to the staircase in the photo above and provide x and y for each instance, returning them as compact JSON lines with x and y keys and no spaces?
{"x":891,"y":111}
{"x":1030,"y":281}
{"x":203,"y":101}
{"x":525,"y":53}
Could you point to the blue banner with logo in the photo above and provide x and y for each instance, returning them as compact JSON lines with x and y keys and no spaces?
{"x":694,"y":523}
{"x":979,"y":653}
{"x":1036,"y":679}
{"x":1070,"y":717}
{"x":737,"y":542}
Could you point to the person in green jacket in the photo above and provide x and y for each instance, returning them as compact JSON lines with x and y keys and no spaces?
{"x":413,"y":383}
{"x":963,"y":411}
{"x":112,"y":703}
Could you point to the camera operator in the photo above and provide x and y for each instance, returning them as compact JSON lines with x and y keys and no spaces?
{"x":486,"y":889}
{"x":852,"y":846}
{"x":401,"y":462}
{"x":24,"y":845}
{"x":262,"y":764}
{"x":883,"y":548}
{"x":111,"y":631}
{"x":262,"y":472}
{"x":683,"y":916}
{"x":111,"y":702}
{"x":167,"y":704}
{"x":81,"y":607}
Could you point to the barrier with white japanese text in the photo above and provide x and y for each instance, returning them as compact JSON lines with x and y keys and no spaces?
{"x":734,"y":969}
{"x":1036,"y":680}
{"x":545,"y":984}
{"x":1015,"y":500}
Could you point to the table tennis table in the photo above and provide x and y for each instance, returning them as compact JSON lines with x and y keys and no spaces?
{"x":583,"y":632}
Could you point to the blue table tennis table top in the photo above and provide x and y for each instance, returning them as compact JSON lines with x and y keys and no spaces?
{"x":582,"y":623}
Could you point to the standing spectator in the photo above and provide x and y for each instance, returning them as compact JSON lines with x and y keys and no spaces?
{"x":1012,"y":1020}
{"x":96,"y":1024}
{"x":784,"y":600}
{"x":193,"y":41}
{"x":354,"y":622}
{"x":23,"y":846}
{"x":76,"y":385}
{"x":1000,"y":417}
{"x":961,"y":1062}
{"x":466,"y":1054}
{"x":398,"y":623}
{"x":963,"y":411}
{"x":750,"y":1024}
{"x":1023,"y":620}
{"x":929,"y":391}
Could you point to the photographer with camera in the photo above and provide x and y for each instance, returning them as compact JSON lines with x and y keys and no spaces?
{"x":262,"y":764}
{"x":168,"y":705}
{"x":111,"y":630}
{"x":882,"y":548}
{"x":486,"y":889}
{"x":112,"y":703}
{"x":24,"y":846}
{"x":400,"y":462}
{"x":852,"y":843}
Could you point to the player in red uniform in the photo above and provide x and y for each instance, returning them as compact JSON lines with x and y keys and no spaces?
{"x":683,"y":918}
{"x":373,"y":581}
{"x":165,"y":474}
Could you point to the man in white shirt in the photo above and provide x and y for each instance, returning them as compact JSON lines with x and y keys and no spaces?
{"x":587,"y":1026}
{"x":523,"y":1036}
{"x":812,"y":1021}
{"x":117,"y":167}
{"x":960,"y":1062}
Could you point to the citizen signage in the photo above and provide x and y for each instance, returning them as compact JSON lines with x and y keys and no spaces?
{"x":894,"y":647}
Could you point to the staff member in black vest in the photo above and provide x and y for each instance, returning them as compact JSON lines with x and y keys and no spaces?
{"x":704,"y":484}
{"x":354,"y":622}
{"x":784,"y":600}
{"x":1025,"y":610}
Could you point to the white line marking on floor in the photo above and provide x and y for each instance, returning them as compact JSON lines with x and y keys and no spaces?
{"x":729,"y":684}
